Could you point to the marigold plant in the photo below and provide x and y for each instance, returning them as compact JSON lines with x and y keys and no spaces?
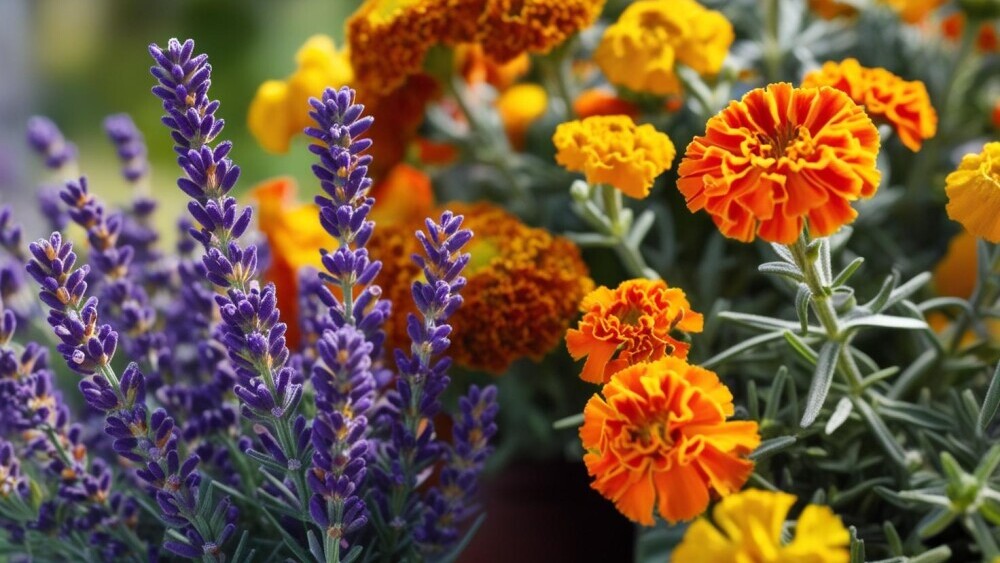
{"x":905,"y":105}
{"x":779,"y":158}
{"x":614,"y":150}
{"x":640,"y":50}
{"x":974,"y":193}
{"x":749,"y":527}
{"x":636,"y":322}
{"x":659,"y":440}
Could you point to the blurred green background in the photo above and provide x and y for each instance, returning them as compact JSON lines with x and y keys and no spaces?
{"x":77,"y":61}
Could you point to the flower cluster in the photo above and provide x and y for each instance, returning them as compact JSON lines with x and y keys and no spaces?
{"x":903,"y":104}
{"x":614,"y":150}
{"x":641,"y":50}
{"x":780,"y":157}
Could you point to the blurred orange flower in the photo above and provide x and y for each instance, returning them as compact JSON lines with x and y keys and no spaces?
{"x":914,"y":11}
{"x":659,"y":440}
{"x":295,"y":235}
{"x":830,"y":9}
{"x":974,"y":193}
{"x":996,"y":114}
{"x":600,"y":102}
{"x":955,"y":276}
{"x":905,"y":105}
{"x":523,"y":286}
{"x":612,"y":149}
{"x":630,"y":324}
{"x":779,"y":157}
{"x":953,"y":26}
{"x":477,"y":68}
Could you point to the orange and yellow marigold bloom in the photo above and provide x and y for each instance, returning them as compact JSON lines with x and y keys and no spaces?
{"x":913,"y":11}
{"x":904,"y":104}
{"x":612,"y":149}
{"x":779,"y":158}
{"x":522,"y":290}
{"x":641,"y":49}
{"x":974,"y":193}
{"x":636,"y":322}
{"x":659,"y":440}
{"x":748,"y":528}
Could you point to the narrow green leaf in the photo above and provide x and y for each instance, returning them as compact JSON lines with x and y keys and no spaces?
{"x":881,"y":432}
{"x":992,"y":400}
{"x":782,"y":269}
{"x":570,"y":421}
{"x":765,"y":323}
{"x":775,"y":393}
{"x":857,"y":547}
{"x":801,"y":347}
{"x":772,"y":446}
{"x":980,"y":530}
{"x":912,"y":373}
{"x":802,"y":298}
{"x":892,"y":538}
{"x":906,"y":290}
{"x":753,"y":401}
{"x":848,"y":271}
{"x":880,"y":375}
{"x":315,"y":547}
{"x":738,"y":349}
{"x":238,"y":553}
{"x":782,"y":251}
{"x":839,"y":416}
{"x":825,"y":262}
{"x":939,"y":554}
{"x":878,"y":303}
{"x":885,"y":321}
{"x":988,"y":465}
{"x":826,"y":366}
{"x":935,"y":522}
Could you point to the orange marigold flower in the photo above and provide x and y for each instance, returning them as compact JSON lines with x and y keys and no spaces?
{"x":974,"y":193}
{"x":639,"y":51}
{"x":779,"y":157}
{"x":953,"y":26}
{"x":508,"y":28}
{"x":751,"y":523}
{"x":612,"y":149}
{"x":600,"y":102}
{"x":477,"y":68}
{"x":996,"y":114}
{"x":905,"y":105}
{"x":659,"y":439}
{"x":913,"y":11}
{"x":630,"y":324}
{"x":523,"y":286}
{"x":830,"y":9}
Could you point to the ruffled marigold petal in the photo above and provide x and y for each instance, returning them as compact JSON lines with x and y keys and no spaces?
{"x":778,"y":157}
{"x":974,"y":193}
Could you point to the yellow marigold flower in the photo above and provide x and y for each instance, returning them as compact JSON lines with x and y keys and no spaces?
{"x":779,"y":157}
{"x":748,"y":528}
{"x":509,"y":28}
{"x":523,"y":286}
{"x":659,"y":439}
{"x":519,"y":107}
{"x":974,"y":193}
{"x":612,"y":149}
{"x":640,"y":50}
{"x":634,"y":322}
{"x":905,"y":105}
{"x":280,"y":109}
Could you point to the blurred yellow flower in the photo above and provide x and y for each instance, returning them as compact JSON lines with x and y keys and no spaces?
{"x":280,"y":109}
{"x":748,"y":529}
{"x":640,"y":50}
{"x":612,"y":149}
{"x":974,"y":193}
{"x":519,"y":107}
{"x":904,"y":104}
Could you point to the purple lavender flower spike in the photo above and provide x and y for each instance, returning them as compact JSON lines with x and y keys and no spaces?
{"x":11,"y":480}
{"x":10,"y":235}
{"x":452,"y":502}
{"x":131,"y":148}
{"x":48,"y":141}
{"x":251,"y":330}
{"x":149,"y":440}
{"x":423,"y":373}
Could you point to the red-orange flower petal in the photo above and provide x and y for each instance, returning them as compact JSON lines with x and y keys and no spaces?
{"x":658,"y":440}
{"x":635,"y":321}
{"x":780,"y":157}
{"x":905,"y":105}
